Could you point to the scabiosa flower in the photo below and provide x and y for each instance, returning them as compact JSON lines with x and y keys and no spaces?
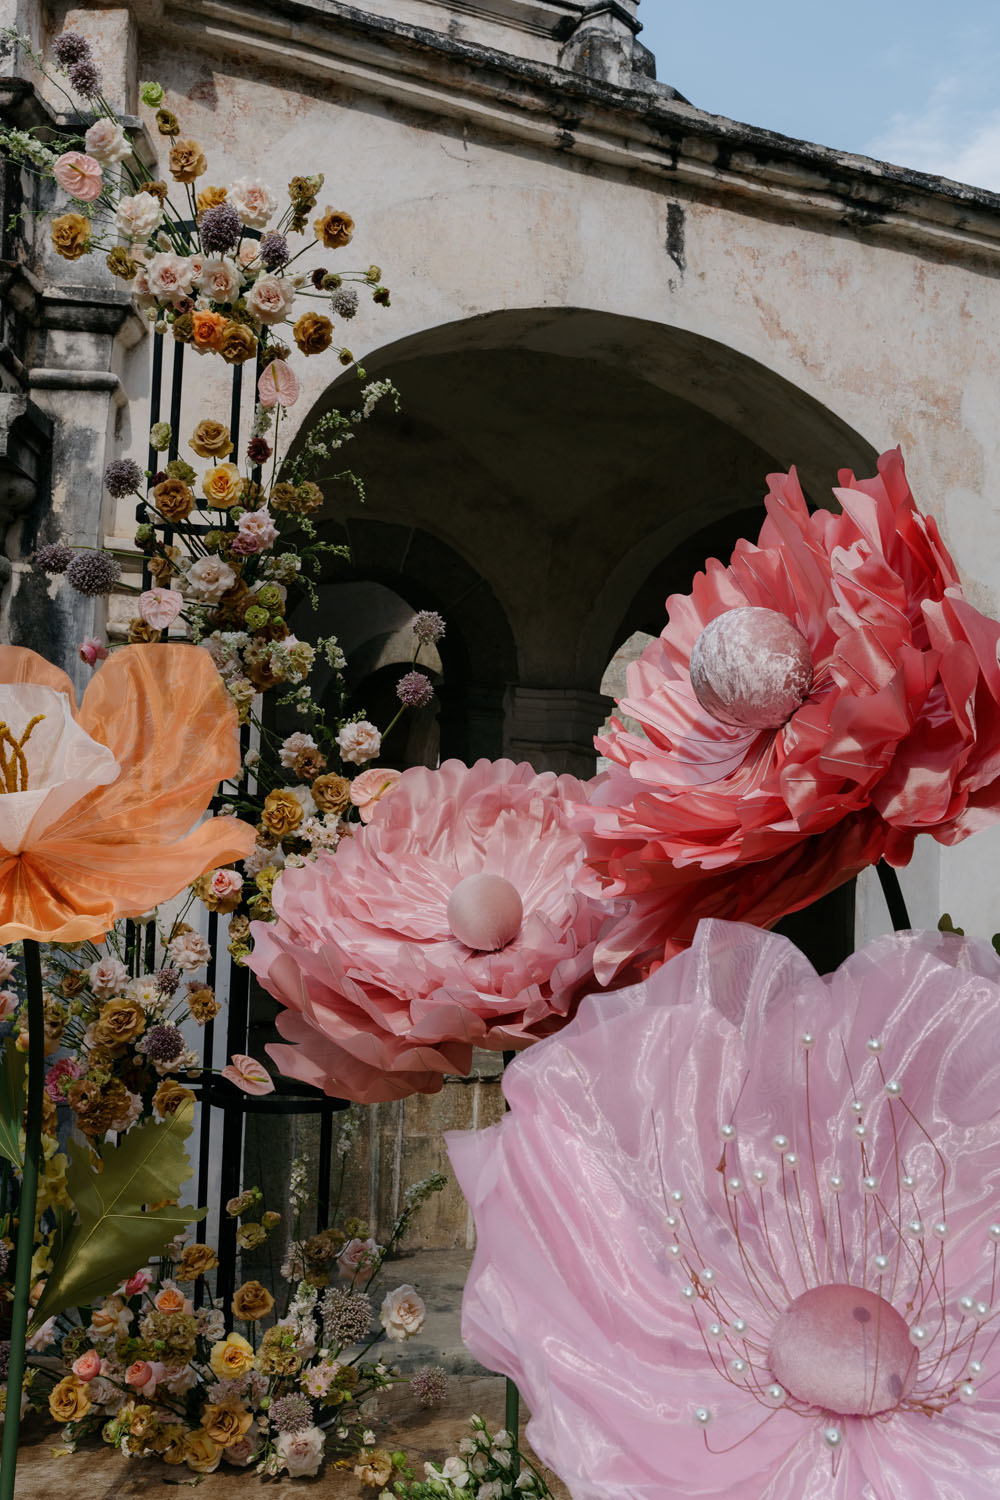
{"x":430,"y":1385}
{"x":428,"y":626}
{"x":54,"y":557}
{"x":123,"y":476}
{"x":291,"y":1413}
{"x":414,"y":690}
{"x":85,"y":78}
{"x":162,"y":1044}
{"x":800,"y":1176}
{"x":347,"y":1316}
{"x":69,"y":48}
{"x":807,"y":710}
{"x":93,"y":573}
{"x":167,"y":979}
{"x":344,"y":302}
{"x":386,"y":993}
{"x":274,"y":252}
{"x":221,"y":228}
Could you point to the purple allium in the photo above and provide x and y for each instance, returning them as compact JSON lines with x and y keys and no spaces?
{"x":430,"y":1385}
{"x":54,"y":558}
{"x":291,"y":1413}
{"x":85,"y":78}
{"x":345,"y":302}
{"x":4,"y":1352}
{"x":414,"y":690}
{"x":167,"y":979}
{"x":123,"y":477}
{"x":428,"y":626}
{"x":221,"y":228}
{"x":93,"y":573}
{"x":347,"y":1316}
{"x":163,"y":1044}
{"x":70,"y":48}
{"x":274,"y":252}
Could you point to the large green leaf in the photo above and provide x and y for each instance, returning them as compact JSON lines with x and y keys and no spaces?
{"x":114,"y":1234}
{"x":13,"y":1074}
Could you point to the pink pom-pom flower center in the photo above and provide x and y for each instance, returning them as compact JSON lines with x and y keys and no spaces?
{"x":751,"y":667}
{"x":485,"y":912}
{"x":843,"y":1349}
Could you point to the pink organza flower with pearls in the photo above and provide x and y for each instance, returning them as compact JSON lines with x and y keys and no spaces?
{"x":447,"y":922}
{"x":806,"y":711}
{"x":738,"y":1236}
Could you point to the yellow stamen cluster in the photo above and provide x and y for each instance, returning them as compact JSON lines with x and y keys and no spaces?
{"x":13,"y":763}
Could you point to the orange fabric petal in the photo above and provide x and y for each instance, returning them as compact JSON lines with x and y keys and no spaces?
{"x":18,"y":664}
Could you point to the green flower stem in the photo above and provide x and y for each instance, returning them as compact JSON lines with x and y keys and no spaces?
{"x":26,"y":1216}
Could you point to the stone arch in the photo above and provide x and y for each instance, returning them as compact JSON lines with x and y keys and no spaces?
{"x":561,"y":463}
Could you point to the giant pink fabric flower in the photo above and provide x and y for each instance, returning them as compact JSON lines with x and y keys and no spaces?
{"x":447,"y":922}
{"x":738,"y":1237}
{"x":808,"y":709}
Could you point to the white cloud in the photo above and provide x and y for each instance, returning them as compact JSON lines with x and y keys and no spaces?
{"x":947,"y":137}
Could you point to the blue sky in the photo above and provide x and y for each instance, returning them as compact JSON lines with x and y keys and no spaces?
{"x":914,"y":83}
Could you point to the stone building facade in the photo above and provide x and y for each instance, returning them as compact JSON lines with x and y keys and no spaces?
{"x":612,"y":315}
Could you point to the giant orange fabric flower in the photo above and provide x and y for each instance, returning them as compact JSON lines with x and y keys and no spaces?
{"x":98,"y":803}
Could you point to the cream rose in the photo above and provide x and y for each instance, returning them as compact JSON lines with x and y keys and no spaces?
{"x":169,"y":276}
{"x":219,"y":279}
{"x":208,"y":579}
{"x":359,"y":742}
{"x":301,"y":1452}
{"x":270,"y":299}
{"x":107,"y":142}
{"x":402,"y":1313}
{"x":136,"y":218}
{"x":253,"y":201}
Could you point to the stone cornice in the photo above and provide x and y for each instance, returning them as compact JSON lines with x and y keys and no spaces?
{"x":637,"y":130}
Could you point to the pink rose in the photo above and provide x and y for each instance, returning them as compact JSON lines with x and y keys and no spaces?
{"x":259,"y":524}
{"x":8,"y":1004}
{"x":7,"y":965}
{"x":137,"y":1282}
{"x":59,"y":1075}
{"x":253,"y":201}
{"x":248,"y":1074}
{"x":270,"y":298}
{"x":138,"y":1374}
{"x":78,"y":175}
{"x":107,"y":142}
{"x":368,"y":788}
{"x":357,"y":1255}
{"x":160,"y":607}
{"x":107,"y":976}
{"x":92,"y":651}
{"x":188,"y":950}
{"x":278,"y":385}
{"x":88,"y":1365}
{"x":226,"y":883}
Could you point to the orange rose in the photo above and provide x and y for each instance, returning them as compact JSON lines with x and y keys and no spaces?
{"x":222,"y":486}
{"x":207,"y":329}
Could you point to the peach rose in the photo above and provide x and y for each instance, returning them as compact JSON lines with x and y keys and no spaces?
{"x":207,"y":329}
{"x":402,"y":1313}
{"x":170,"y":1299}
{"x":139,"y":1374}
{"x":222,"y":486}
{"x":270,"y":298}
{"x":78,"y":175}
{"x":87,"y":1365}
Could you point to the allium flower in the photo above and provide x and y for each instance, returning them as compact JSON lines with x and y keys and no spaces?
{"x":220,"y":229}
{"x":85,"y":78}
{"x":347,"y":1316}
{"x":808,"y":709}
{"x":54,"y":557}
{"x":430,"y":1385}
{"x":414,"y":690}
{"x":69,"y":48}
{"x":428,"y":626}
{"x":738,"y":1234}
{"x":274,"y":252}
{"x":447,"y":922}
{"x":123,"y":476}
{"x":291,"y":1413}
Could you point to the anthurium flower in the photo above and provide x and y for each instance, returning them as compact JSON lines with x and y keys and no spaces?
{"x":807,"y":710}
{"x":738,"y":1236}
{"x":98,"y":803}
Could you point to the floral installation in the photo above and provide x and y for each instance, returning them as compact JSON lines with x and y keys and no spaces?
{"x":739,"y":1228}
{"x":807,"y":710}
{"x":447,"y":921}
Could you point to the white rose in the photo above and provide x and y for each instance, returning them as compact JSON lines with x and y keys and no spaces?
{"x":301,"y":1452}
{"x":107,"y":142}
{"x":208,"y":579}
{"x":107,"y":977}
{"x":270,"y":298}
{"x":189,"y":951}
{"x":137,"y":217}
{"x":359,"y":742}
{"x":169,"y":275}
{"x":402,"y":1313}
{"x":220,"y":279}
{"x":253,"y":201}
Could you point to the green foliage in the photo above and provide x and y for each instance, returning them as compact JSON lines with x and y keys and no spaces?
{"x":945,"y":924}
{"x":12,"y":1086}
{"x":115,"y":1233}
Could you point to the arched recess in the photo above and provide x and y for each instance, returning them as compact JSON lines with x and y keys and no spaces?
{"x":567,"y":463}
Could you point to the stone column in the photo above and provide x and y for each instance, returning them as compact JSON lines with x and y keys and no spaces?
{"x":554,"y":728}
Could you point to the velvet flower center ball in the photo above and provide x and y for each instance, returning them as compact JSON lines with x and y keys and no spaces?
{"x":844,"y":1349}
{"x":751,"y":667}
{"x":485,"y":912}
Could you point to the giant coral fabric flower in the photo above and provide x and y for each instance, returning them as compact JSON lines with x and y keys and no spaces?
{"x":808,"y":709}
{"x":738,"y":1237}
{"x":98,"y":803}
{"x":449,"y":921}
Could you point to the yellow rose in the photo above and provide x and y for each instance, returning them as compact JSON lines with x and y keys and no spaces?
{"x":231,"y":1357}
{"x":222,"y":486}
{"x":200,"y":1453}
{"x":226,"y":1422}
{"x":69,"y":1400}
